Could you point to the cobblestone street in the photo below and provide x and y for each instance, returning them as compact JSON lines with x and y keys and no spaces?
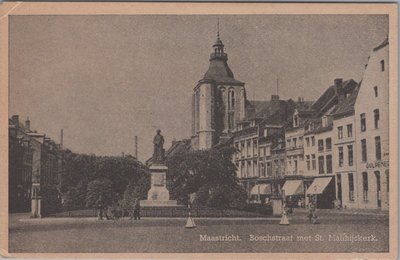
{"x":68,"y":235}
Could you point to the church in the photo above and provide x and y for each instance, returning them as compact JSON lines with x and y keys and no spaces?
{"x":219,"y":102}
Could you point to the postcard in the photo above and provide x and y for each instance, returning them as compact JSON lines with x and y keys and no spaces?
{"x":199,"y":130}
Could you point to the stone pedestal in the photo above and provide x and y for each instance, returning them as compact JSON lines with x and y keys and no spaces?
{"x":158,"y":195}
{"x":277,"y":205}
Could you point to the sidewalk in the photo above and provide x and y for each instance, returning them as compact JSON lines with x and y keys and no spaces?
{"x":363,"y":212}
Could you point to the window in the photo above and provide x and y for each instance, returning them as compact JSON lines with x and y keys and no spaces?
{"x":288,"y":143}
{"x":300,"y":142}
{"x":340,"y":156}
{"x":248,"y":169}
{"x":376,"y":91}
{"x":248,"y":148}
{"x":294,"y":142}
{"x":328,"y":144}
{"x":255,"y":168}
{"x":382,"y":65}
{"x":329,"y":164}
{"x":321,"y":164}
{"x":340,"y":132}
{"x":308,"y":141}
{"x":231,"y":99}
{"x":314,"y":162}
{"x":312,"y":140}
{"x":376,"y":118}
{"x":295,"y":166}
{"x":320,"y":145}
{"x":324,"y":121}
{"x":269,"y":170}
{"x":255,"y":148}
{"x":365,"y":186}
{"x":242,"y":149}
{"x":351,"y":187}
{"x":350,"y":154}
{"x":363,"y":122}
{"x":364,"y":150}
{"x":308,"y":162}
{"x":349,"y":130}
{"x":378,"y":148}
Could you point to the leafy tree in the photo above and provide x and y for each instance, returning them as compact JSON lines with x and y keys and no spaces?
{"x":204,"y":171}
{"x":81,"y":169}
{"x":99,"y":195}
{"x":136,"y":190}
{"x":51,"y":202}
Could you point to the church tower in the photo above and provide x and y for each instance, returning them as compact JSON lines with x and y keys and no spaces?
{"x":218,"y":101}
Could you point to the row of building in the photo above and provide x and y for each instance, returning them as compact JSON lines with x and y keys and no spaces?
{"x":35,"y":165}
{"x":334,"y":150}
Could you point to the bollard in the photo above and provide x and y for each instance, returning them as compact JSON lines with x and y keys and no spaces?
{"x":190,"y":222}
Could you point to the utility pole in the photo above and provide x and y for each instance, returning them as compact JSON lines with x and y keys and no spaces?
{"x":277,"y":86}
{"x":136,"y":147}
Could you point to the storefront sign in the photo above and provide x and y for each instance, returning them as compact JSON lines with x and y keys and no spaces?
{"x":377,"y":164}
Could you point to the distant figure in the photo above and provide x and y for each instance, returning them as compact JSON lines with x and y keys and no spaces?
{"x":136,"y":210}
{"x":158,"y":154}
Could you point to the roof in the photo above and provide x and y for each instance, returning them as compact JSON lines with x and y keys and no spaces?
{"x":178,"y":147}
{"x":347,"y":106}
{"x":383,"y":44}
{"x":219,"y":70}
{"x":330,"y":97}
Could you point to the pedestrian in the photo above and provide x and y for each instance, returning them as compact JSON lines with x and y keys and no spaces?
{"x":136,"y":210}
{"x":311,"y":211}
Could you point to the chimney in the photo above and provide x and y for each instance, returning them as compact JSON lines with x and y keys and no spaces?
{"x":28,"y":123}
{"x":301,"y":100}
{"x":274,"y":97}
{"x":15,"y":120}
{"x":339,"y":90}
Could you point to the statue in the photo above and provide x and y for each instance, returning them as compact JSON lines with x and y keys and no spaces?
{"x":158,"y":154}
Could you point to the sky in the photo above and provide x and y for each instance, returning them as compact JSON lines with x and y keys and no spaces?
{"x":107,"y":78}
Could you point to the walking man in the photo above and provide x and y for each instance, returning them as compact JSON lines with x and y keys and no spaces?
{"x":136,"y":210}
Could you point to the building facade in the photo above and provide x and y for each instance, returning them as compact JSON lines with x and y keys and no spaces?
{"x":333,"y":150}
{"x":372,"y":132}
{"x":35,"y":163}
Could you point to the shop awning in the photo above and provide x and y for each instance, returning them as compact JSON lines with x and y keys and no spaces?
{"x":261,"y":189}
{"x":318,"y":186}
{"x":293,"y":187}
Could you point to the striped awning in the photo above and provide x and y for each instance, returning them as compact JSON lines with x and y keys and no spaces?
{"x":261,"y":189}
{"x":318,"y":186}
{"x":293,"y":187}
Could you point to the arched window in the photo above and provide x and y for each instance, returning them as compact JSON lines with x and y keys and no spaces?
{"x":231,"y":99}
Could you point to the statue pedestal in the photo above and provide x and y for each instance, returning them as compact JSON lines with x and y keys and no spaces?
{"x":158,"y":195}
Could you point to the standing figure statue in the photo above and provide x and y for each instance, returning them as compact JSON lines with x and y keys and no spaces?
{"x":158,"y":154}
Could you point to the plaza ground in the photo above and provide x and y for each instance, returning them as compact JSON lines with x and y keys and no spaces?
{"x":158,"y":235}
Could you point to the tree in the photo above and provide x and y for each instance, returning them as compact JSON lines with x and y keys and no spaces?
{"x":211,"y":173}
{"x":99,"y":195}
{"x":136,"y":190}
{"x":81,"y":169}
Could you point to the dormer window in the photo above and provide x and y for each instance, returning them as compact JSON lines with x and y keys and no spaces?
{"x":324,"y":121}
{"x":296,"y":119}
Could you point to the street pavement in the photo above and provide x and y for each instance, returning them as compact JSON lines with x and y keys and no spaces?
{"x":159,"y":235}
